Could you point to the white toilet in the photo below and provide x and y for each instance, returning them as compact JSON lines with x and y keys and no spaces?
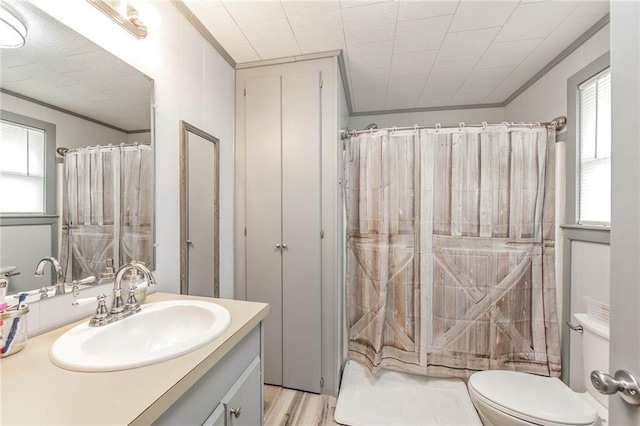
{"x":509,"y":398}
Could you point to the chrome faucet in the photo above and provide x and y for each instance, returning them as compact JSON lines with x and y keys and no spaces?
{"x":120,"y":309}
{"x":59,"y":275}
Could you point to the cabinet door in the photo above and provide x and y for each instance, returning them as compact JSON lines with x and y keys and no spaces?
{"x":301,"y":226}
{"x":264,"y":213}
{"x":216,"y":418}
{"x":242,"y":403}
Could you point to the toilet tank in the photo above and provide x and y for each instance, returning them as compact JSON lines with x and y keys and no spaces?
{"x":595,"y":352}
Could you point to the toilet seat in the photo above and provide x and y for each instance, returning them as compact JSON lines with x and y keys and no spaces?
{"x":539,"y":400}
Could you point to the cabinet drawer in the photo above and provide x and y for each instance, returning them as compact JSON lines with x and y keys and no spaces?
{"x":242,"y":402}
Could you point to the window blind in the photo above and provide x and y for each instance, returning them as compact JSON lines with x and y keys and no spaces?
{"x":594,"y":154}
{"x":22,"y":160}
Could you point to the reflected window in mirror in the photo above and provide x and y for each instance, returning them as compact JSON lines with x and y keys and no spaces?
{"x":28,"y":207}
{"x":22,"y":179}
{"x":27,"y":166}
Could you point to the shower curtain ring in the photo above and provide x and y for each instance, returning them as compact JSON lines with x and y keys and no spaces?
{"x":484,"y":125}
{"x":438,"y":126}
{"x":461,"y":125}
{"x":416,"y":128}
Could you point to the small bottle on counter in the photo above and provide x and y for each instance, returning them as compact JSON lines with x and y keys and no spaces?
{"x":109,"y":275}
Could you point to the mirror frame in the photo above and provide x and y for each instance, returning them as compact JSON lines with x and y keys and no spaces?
{"x":185,"y":130}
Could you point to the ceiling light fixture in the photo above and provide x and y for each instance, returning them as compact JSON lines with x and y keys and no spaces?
{"x":13,"y":32}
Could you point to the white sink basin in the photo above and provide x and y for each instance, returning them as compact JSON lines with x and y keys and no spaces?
{"x":161,"y":331}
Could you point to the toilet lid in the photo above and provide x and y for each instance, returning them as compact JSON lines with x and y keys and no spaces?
{"x":542,"y":400}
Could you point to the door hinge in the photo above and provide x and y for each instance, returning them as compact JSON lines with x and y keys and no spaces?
{"x":321,"y":83}
{"x":245,"y":232}
{"x":322,"y":382}
{"x":245,"y":92}
{"x":322,"y":234}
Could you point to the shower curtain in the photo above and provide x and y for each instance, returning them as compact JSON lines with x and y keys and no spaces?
{"x":107,"y":208}
{"x":450,"y":250}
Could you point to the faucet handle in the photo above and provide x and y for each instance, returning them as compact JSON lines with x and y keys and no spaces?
{"x":102,"y":315}
{"x":89,"y":280}
{"x":44,"y":293}
{"x":132,"y":302}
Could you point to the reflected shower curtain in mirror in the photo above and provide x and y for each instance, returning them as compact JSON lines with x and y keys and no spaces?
{"x":450,"y":250}
{"x":107,"y":208}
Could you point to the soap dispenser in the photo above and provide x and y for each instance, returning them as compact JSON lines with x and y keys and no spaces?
{"x":108,"y":276}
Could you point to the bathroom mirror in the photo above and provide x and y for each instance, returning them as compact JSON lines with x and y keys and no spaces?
{"x":199,"y":207}
{"x":90,"y":98}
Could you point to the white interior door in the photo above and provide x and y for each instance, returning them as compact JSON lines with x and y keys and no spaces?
{"x":264,"y":213}
{"x":202,"y":214}
{"x":301,"y":227}
{"x":625,"y":202}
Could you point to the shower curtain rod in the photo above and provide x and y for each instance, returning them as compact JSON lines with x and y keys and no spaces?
{"x":558,"y":123}
{"x":62,"y":150}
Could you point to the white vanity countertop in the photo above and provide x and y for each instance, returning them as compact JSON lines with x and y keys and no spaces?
{"x":34,"y":391}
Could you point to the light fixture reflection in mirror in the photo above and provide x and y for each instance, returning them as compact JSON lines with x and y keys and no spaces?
{"x":12,"y":30}
{"x":124,"y":14}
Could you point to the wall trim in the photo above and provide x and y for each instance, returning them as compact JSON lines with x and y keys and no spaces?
{"x":590,"y":234}
{"x":28,"y":220}
{"x":604,"y":21}
{"x":199,"y":26}
{"x":345,"y":81}
{"x":425,"y":109}
{"x":289,"y":59}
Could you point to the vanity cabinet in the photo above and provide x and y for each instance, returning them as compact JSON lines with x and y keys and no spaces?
{"x":230,"y":394}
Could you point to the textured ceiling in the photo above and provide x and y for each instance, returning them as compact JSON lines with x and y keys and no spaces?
{"x":408,"y":54}
{"x":61,"y":68}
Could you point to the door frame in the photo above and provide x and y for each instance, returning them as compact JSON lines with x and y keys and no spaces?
{"x":185,"y":129}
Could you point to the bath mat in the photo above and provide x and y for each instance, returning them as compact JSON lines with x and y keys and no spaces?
{"x":392,"y":398}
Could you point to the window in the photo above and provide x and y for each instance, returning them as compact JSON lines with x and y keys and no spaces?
{"x":594,"y":150}
{"x":22,"y":169}
{"x":27,"y":170}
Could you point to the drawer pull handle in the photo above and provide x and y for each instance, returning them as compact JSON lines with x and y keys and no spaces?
{"x":236,"y":412}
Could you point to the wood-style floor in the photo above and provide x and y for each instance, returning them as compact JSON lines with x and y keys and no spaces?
{"x":294,"y":408}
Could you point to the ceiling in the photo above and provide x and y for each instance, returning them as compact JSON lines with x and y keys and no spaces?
{"x":405,"y":55}
{"x":59,"y":67}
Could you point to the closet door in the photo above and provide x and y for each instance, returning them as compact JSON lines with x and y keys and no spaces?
{"x":301,"y":226}
{"x":264,"y":213}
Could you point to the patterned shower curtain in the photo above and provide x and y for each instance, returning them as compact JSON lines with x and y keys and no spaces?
{"x":107,"y":208}
{"x":450,"y":250}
